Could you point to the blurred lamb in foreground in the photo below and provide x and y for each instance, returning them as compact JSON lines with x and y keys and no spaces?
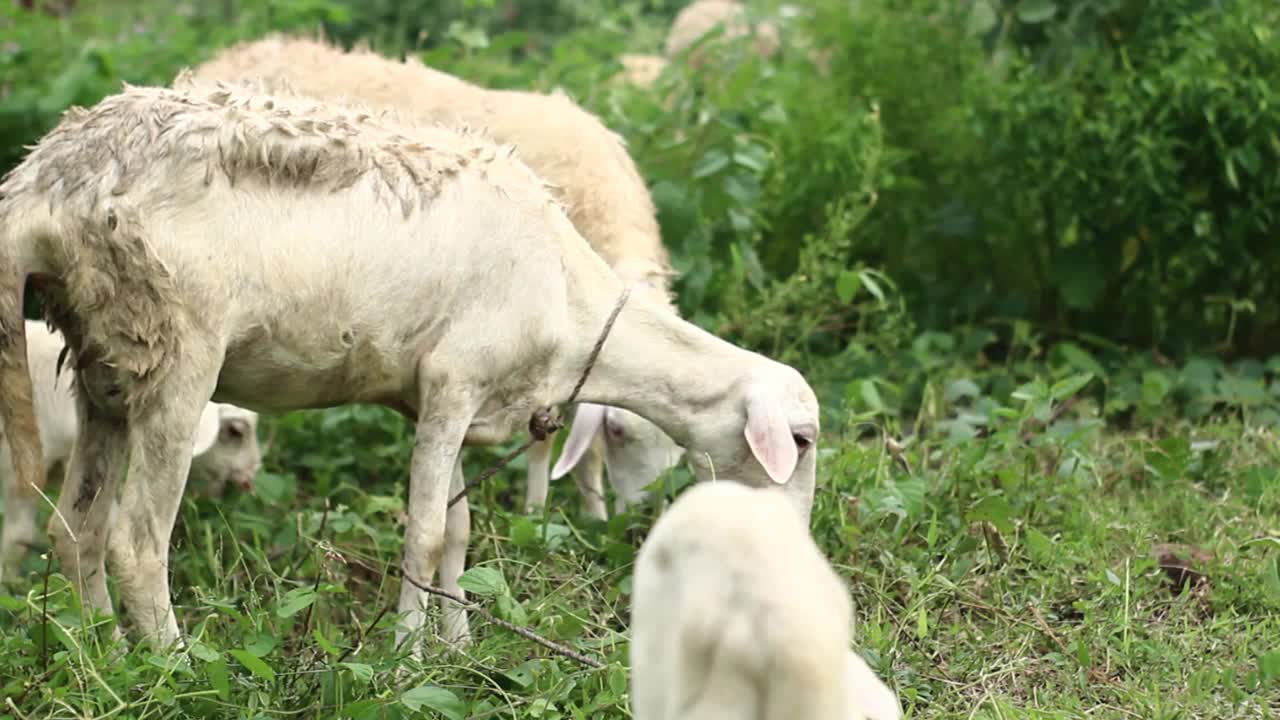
{"x":737,"y":614}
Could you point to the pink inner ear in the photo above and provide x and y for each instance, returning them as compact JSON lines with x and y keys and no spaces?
{"x":586,"y":423}
{"x":769,"y":437}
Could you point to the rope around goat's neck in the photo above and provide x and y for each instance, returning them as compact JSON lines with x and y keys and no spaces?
{"x":544,"y":422}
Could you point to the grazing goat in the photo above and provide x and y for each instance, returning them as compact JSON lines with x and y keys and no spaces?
{"x":636,"y":451}
{"x":736,"y":614}
{"x":570,"y":148}
{"x":702,"y":16}
{"x":224,"y":447}
{"x":361,"y":259}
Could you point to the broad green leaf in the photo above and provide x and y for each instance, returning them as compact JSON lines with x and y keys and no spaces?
{"x":329,"y":648}
{"x":219,"y":679}
{"x":753,"y":157}
{"x":1036,"y":11}
{"x":295,"y":601}
{"x":995,"y":510}
{"x":254,"y":664}
{"x":1031,"y":392}
{"x":171,"y":665}
{"x":922,"y":623}
{"x":847,"y":285}
{"x":359,"y":671}
{"x":1155,"y":387}
{"x":982,"y":18}
{"x":873,"y":287}
{"x":203,"y":652}
{"x":511,"y":610}
{"x":372,"y":709}
{"x":1068,"y":386}
{"x":435,"y":698}
{"x":871,"y":396}
{"x":961,"y":388}
{"x":1169,"y":458}
{"x":524,"y":673}
{"x":710,"y":164}
{"x":1080,"y":359}
{"x":618,"y":680}
{"x":262,"y":644}
{"x":1039,"y":544}
{"x":524,"y":533}
{"x":484,"y":581}
{"x":543,"y":707}
{"x":163,"y":694}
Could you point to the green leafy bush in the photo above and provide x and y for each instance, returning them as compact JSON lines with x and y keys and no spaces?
{"x":1106,"y":167}
{"x":1134,"y":192}
{"x":1098,"y":166}
{"x":49,"y":63}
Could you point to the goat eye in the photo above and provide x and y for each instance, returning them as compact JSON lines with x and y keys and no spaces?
{"x":802,"y":442}
{"x":615,"y":431}
{"x":235,"y":430}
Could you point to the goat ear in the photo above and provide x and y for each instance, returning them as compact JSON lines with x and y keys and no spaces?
{"x":769,"y":436}
{"x":586,"y":423}
{"x":206,"y":431}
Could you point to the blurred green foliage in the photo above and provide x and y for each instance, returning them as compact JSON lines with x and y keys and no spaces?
{"x":1105,"y":170}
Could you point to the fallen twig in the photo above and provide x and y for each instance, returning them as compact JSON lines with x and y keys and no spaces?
{"x":522,"y":632}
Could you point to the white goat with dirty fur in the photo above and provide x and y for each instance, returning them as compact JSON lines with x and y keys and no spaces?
{"x":224,"y":448}
{"x":573,"y":150}
{"x":736,"y":614}
{"x":363,"y":260}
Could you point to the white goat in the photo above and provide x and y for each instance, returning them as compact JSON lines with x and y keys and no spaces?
{"x":572,"y":149}
{"x":224,"y":447}
{"x":702,"y":16}
{"x":362,"y":260}
{"x":736,"y":614}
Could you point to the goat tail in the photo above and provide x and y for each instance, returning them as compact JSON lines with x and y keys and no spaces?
{"x":17,"y":405}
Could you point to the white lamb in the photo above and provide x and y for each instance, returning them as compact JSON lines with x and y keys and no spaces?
{"x":572,"y":149}
{"x":363,"y":259}
{"x":224,"y":447}
{"x":736,"y":614}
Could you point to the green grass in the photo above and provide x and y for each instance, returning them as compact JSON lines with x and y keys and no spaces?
{"x":997,"y":577}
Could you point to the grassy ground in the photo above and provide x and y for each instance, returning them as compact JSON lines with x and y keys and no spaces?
{"x":1004,"y":576}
